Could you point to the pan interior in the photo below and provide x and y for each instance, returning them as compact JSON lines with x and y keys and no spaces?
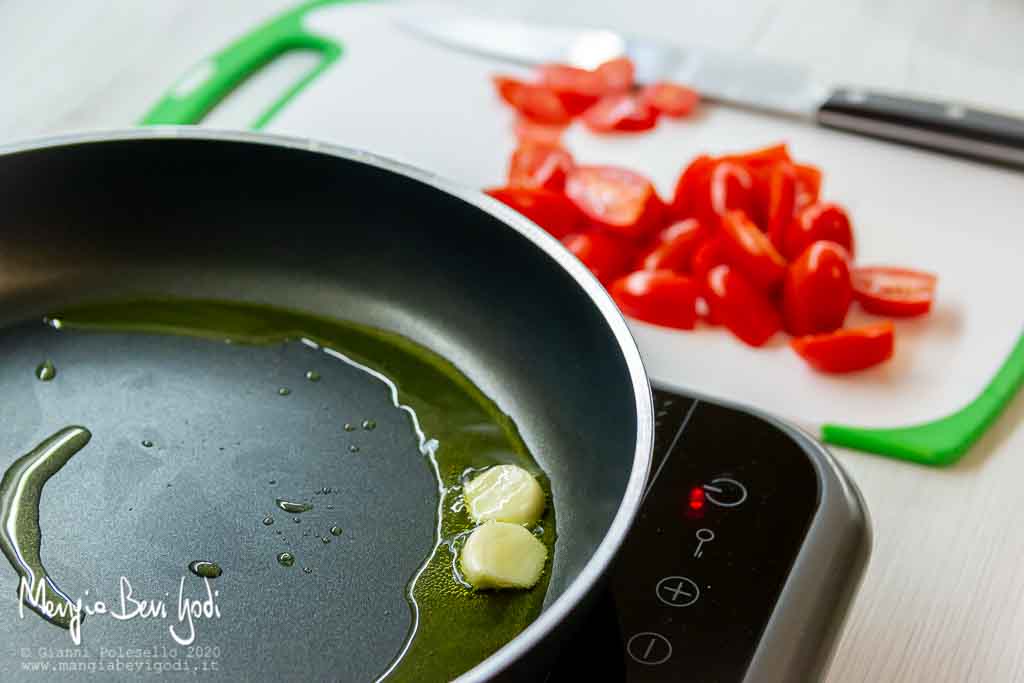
{"x":247,"y":222}
{"x":255,"y":431}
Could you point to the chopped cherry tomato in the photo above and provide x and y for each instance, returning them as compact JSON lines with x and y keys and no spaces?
{"x":688,"y":187}
{"x":528,"y":130}
{"x":621,"y":112}
{"x":708,"y":255}
{"x":675,"y":247}
{"x":897,"y":292}
{"x":763,"y":156}
{"x":808,"y":185}
{"x":731,"y":188}
{"x":747,"y":312}
{"x":817,"y":292}
{"x":539,"y":165}
{"x":616,"y":199}
{"x":781,"y":202}
{"x":607,"y":256}
{"x":535,"y":101}
{"x":821,"y":221}
{"x":671,"y":99}
{"x":617,"y":74}
{"x":577,"y":88}
{"x":660,"y":297}
{"x":847,"y":350}
{"x":550,"y":210}
{"x":750,"y":250}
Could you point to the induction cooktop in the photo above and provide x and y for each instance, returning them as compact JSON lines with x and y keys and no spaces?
{"x":749,"y":546}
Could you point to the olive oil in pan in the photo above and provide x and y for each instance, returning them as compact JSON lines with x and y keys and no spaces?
{"x":291,"y":507}
{"x":20,"y":535}
{"x":205,"y":569}
{"x":458,"y":428}
{"x":46,"y":371}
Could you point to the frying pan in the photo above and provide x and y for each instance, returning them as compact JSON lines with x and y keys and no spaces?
{"x":334,"y":232}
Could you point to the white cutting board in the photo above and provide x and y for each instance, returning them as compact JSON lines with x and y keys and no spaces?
{"x":399,"y":96}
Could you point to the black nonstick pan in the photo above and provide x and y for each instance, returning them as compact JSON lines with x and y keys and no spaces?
{"x":193,"y":439}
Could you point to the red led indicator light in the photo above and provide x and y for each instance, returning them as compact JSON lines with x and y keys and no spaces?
{"x":696,"y":498}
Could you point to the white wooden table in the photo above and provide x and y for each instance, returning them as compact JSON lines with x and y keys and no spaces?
{"x":943,"y":598}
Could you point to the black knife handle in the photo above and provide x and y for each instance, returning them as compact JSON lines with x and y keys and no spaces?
{"x":949,"y":128}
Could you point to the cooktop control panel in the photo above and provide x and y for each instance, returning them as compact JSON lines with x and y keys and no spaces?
{"x":729,"y":502}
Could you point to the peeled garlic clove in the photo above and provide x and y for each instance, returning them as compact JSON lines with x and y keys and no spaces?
{"x":505,"y":493}
{"x":502,"y":555}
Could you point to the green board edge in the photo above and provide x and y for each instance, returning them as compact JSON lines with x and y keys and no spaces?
{"x":946,"y":440}
{"x":218,"y":75}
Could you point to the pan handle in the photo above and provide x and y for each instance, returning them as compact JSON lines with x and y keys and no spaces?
{"x":211,"y":80}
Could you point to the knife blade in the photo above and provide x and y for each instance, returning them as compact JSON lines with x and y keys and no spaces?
{"x":741,"y":79}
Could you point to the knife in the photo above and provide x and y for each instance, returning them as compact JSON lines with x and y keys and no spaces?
{"x":744,"y":80}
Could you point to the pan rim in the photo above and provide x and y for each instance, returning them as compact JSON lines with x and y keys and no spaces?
{"x":628,"y":508}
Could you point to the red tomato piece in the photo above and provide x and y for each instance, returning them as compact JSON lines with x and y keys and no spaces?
{"x":675,"y":247}
{"x":550,"y":210}
{"x":607,"y":256}
{"x":817,"y":292}
{"x":617,"y":74}
{"x":820,"y":221}
{"x":897,"y":292}
{"x":747,"y":312}
{"x":660,"y":297}
{"x":528,"y":130}
{"x":781,"y":202}
{"x":539,"y":165}
{"x":750,"y":250}
{"x":808,"y":184}
{"x":708,"y":255}
{"x":691,"y":184}
{"x":577,"y":88}
{"x":614,"y":198}
{"x":731,"y":188}
{"x":535,"y":101}
{"x":847,"y":350}
{"x":671,"y":99}
{"x":621,"y":112}
{"x":759,"y":157}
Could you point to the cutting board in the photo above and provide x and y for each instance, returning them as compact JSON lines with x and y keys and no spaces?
{"x":372,"y":85}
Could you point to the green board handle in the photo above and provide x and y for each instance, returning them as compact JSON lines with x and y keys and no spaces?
{"x":942,"y":441}
{"x":210,"y":81}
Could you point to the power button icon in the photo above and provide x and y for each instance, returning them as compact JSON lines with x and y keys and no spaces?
{"x":725,"y":492}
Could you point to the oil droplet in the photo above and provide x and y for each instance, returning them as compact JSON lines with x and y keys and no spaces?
{"x":296,"y":520}
{"x":325,"y":539}
{"x":353,"y":448}
{"x":268,"y":520}
{"x":369,"y":425}
{"x":312,"y":375}
{"x":349,"y":427}
{"x":278,"y":532}
{"x":330,"y":507}
{"x":288,"y":506}
{"x":307,"y":570}
{"x":20,"y":536}
{"x":284,"y":391}
{"x":273,"y":481}
{"x":205,"y":569}
{"x":46,"y":371}
{"x":326,"y":489}
{"x":146,"y":443}
{"x":286,"y":559}
{"x":336,"y":531}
